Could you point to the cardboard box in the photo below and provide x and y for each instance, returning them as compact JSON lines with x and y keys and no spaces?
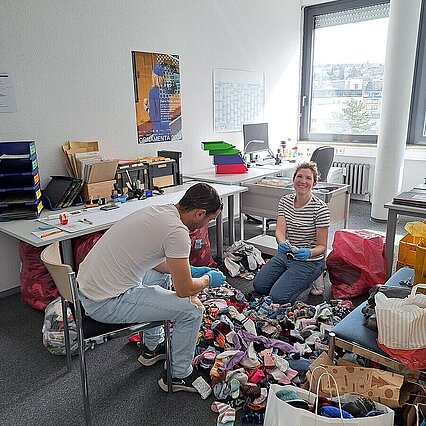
{"x":379,"y":385}
{"x":97,"y":190}
{"x":102,"y":171}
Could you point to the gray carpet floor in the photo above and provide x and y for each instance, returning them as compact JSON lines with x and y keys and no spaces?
{"x":35,"y":388}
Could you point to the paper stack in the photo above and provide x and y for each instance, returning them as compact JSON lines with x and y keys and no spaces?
{"x":84,"y":161}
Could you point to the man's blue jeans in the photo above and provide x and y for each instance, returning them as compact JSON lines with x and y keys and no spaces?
{"x":284,"y":279}
{"x":152,"y":301}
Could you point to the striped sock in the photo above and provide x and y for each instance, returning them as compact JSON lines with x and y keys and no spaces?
{"x":226,"y":413}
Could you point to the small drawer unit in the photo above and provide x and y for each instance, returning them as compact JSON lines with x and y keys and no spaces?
{"x":162,"y":174}
{"x":20,"y":194}
{"x":134,"y":175}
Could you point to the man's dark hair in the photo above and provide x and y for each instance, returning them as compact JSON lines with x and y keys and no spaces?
{"x":201,"y":196}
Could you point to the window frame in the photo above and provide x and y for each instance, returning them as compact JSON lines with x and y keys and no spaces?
{"x":309,"y":14}
{"x":417,"y":121}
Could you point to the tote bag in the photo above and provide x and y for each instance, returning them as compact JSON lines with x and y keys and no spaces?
{"x":279,"y":413}
{"x":401,"y":325}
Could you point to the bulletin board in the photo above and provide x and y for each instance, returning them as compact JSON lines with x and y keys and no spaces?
{"x":238,"y":97}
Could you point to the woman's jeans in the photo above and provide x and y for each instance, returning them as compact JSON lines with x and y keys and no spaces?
{"x":151,"y":301}
{"x":284,"y":279}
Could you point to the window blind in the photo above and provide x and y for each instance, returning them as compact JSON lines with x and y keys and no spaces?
{"x":350,"y":16}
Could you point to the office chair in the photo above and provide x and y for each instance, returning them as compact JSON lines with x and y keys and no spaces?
{"x":90,"y":331}
{"x":323,"y":157}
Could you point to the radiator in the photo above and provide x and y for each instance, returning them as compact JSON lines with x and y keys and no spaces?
{"x":356,"y":176}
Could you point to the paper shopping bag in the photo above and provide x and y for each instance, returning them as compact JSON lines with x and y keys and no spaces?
{"x":381,"y":386}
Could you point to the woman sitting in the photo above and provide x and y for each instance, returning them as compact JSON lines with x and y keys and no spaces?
{"x":301,"y":233}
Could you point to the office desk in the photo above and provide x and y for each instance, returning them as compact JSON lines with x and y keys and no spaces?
{"x":254,"y":172}
{"x":393,"y":211}
{"x":21,"y":229}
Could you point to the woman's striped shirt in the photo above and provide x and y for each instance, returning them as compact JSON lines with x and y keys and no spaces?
{"x":303,"y":222}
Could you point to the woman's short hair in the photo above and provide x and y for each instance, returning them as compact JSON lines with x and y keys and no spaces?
{"x":201,"y":196}
{"x":311,"y":165}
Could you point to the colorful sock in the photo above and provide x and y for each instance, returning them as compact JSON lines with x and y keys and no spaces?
{"x":246,"y":322}
{"x":226,"y":413}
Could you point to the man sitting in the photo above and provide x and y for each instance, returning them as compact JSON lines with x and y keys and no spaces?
{"x":125,"y":277}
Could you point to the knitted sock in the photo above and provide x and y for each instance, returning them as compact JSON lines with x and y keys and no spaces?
{"x":226,"y":413}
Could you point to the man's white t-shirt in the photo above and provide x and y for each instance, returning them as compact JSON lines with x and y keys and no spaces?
{"x":135,"y":244}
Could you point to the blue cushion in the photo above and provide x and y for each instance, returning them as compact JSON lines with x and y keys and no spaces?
{"x":352,"y":328}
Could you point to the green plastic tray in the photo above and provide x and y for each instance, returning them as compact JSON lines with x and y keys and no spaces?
{"x":216,"y":145}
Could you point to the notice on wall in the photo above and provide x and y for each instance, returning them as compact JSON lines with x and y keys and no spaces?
{"x":239,"y":98}
{"x":7,"y":93}
{"x":156,"y":79}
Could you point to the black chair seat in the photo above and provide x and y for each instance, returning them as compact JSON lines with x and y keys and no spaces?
{"x":92,"y":328}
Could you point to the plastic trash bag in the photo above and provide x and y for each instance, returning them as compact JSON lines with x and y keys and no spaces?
{"x":53,"y":329}
{"x":200,"y":248}
{"x":356,"y":262}
{"x":82,"y":245}
{"x":37,"y":286}
{"x":418,"y":230}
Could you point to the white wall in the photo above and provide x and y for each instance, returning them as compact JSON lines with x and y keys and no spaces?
{"x":71,"y":66}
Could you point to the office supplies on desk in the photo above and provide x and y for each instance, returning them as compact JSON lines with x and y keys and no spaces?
{"x":61,"y":192}
{"x":63,"y":218}
{"x":20,"y":194}
{"x":109,"y":207}
{"x":415,"y":198}
{"x":84,"y":220}
{"x":47,"y":234}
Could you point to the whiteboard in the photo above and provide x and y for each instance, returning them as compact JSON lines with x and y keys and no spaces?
{"x":238,"y":97}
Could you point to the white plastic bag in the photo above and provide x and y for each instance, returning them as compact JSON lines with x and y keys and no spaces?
{"x":280,"y":413}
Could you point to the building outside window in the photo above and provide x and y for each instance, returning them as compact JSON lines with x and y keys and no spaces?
{"x":344,"y":46}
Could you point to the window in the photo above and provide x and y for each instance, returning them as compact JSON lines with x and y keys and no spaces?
{"x":344,"y":46}
{"x":417,"y":126}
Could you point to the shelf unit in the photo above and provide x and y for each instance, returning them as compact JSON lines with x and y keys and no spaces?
{"x":20,"y":193}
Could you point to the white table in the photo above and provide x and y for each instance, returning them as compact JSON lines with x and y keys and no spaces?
{"x":255,"y":172}
{"x":21,"y":229}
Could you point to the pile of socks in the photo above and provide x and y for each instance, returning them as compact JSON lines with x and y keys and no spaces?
{"x":245,"y":346}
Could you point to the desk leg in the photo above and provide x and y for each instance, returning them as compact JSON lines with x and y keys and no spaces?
{"x":390,"y":241}
{"x":347,"y":203}
{"x":241,"y":224}
{"x":231,"y":220}
{"x":219,"y":236}
{"x":264,"y":225}
{"x":67,"y":256}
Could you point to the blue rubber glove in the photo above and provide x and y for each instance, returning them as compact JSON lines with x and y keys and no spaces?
{"x":303,"y":254}
{"x":283,"y":247}
{"x":216,"y":278}
{"x":199,"y":271}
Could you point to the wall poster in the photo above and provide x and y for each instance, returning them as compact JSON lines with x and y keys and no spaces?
{"x":239,"y":98}
{"x":156,"y":80}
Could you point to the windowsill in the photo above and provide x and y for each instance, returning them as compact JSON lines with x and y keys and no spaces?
{"x":333,"y":143}
{"x":357,"y":144}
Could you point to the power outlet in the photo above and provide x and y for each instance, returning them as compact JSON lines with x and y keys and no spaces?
{"x":340,"y":150}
